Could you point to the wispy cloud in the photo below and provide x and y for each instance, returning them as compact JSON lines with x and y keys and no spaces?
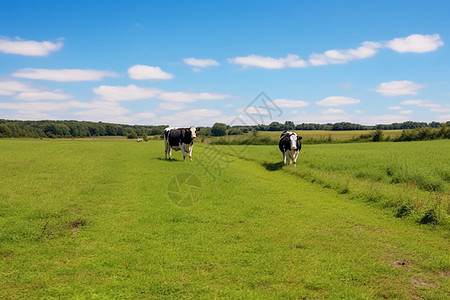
{"x":422,"y":103}
{"x":290,"y":103}
{"x":443,"y":118}
{"x":382,"y":119}
{"x":125,"y":93}
{"x":332,"y":111}
{"x":141,"y":72}
{"x":28,"y":48}
{"x":337,"y":101}
{"x":405,"y":112}
{"x":172,"y":106}
{"x":195,"y":117}
{"x":445,"y":108}
{"x":397,"y":88}
{"x":9,"y":88}
{"x":63,"y":75}
{"x":190,"y":97}
{"x":201,"y":63}
{"x":133,"y":92}
{"x":367,"y":49}
{"x":416,"y":43}
{"x":43,"y":95}
{"x":290,"y":61}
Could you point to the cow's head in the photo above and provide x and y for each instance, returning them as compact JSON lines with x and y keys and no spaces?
{"x":193,"y":130}
{"x":292,"y":137}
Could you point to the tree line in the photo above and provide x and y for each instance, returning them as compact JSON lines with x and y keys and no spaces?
{"x":73,"y":129}
{"x":83,"y":129}
{"x":221,"y":129}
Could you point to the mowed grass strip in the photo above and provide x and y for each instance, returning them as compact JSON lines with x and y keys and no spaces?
{"x":92,"y":219}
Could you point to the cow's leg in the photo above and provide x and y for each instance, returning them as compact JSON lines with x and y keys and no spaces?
{"x":165,"y":149}
{"x":295,"y":158}
{"x":170,"y":153}
{"x":284,"y":157}
{"x":190,"y":152}
{"x":182,"y":151}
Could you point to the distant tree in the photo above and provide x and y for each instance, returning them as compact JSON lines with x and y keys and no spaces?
{"x":377,"y":136}
{"x":205,"y":131}
{"x":5,"y":131}
{"x":132,"y":134}
{"x":435,"y":124}
{"x":276,"y":126}
{"x":219,"y":129}
{"x":235,"y":131}
{"x":289,"y":125}
{"x":57,"y":130}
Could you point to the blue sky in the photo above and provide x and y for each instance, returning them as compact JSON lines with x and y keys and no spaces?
{"x":200,"y":62}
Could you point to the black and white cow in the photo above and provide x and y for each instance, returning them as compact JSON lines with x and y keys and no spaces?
{"x":290,"y":145}
{"x":179,"y":139}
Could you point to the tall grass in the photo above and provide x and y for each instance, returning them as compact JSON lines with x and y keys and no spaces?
{"x":390,"y":175}
{"x":309,"y":137}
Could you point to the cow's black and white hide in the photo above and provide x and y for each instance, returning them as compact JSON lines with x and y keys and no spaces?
{"x":179,"y":139}
{"x":290,"y":145}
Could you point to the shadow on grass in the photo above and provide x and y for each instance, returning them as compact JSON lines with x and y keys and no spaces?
{"x":273,"y":166}
{"x":172,"y":160}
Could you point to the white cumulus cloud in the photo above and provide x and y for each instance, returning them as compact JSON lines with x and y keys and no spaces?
{"x":63,"y":75}
{"x":337,"y":101}
{"x":141,"y":72}
{"x":201,"y":63}
{"x":290,"y":61}
{"x":397,"y":88}
{"x":28,"y":48}
{"x":416,"y":43}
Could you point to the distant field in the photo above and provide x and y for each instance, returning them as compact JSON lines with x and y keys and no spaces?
{"x":113,"y":219}
{"x":313,"y":136}
{"x":335,"y":135}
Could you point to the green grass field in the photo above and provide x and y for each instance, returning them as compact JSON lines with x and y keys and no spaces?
{"x":103,"y":219}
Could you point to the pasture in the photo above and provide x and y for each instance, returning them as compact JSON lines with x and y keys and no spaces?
{"x":104,"y":219}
